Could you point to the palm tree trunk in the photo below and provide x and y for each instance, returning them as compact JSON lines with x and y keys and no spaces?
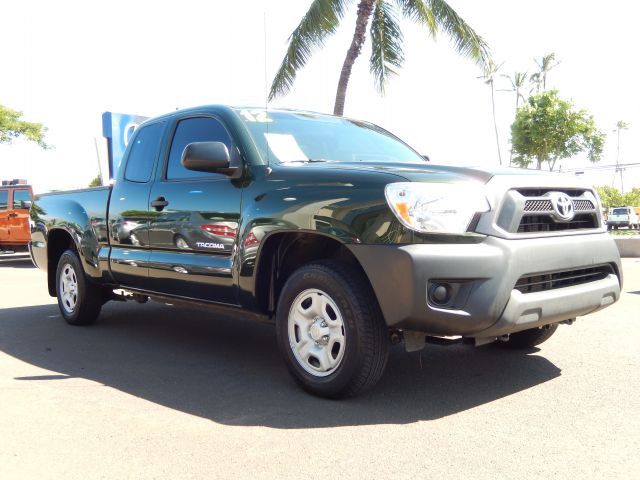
{"x":511,"y":151}
{"x":365,"y":9}
{"x":495,"y":125}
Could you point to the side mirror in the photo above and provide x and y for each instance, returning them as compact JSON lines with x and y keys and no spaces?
{"x":206,"y":157}
{"x":25,"y":203}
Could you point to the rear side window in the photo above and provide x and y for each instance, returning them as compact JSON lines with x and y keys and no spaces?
{"x":143,"y":153}
{"x":4,"y":199}
{"x":19,"y":197}
{"x":200,"y":129}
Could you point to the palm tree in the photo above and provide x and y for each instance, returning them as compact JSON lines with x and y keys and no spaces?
{"x":488,"y":76}
{"x":518,"y":82}
{"x":545,"y":65}
{"x":323,"y":19}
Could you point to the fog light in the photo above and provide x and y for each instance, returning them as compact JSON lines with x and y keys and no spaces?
{"x":440,"y":293}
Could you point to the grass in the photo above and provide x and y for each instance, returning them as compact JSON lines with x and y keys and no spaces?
{"x":624,"y":232}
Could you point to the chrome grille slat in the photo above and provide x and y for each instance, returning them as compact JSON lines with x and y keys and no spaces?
{"x":583,"y":205}
{"x":538,"y":206}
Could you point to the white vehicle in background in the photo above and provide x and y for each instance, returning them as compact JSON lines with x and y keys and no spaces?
{"x":623,"y":217}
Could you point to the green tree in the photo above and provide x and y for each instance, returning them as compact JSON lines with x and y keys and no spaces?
{"x":632,"y":197}
{"x":96,"y":182}
{"x":489,"y":73}
{"x":323,"y":19}
{"x":12,"y":127}
{"x":610,"y":196}
{"x":548,"y":129}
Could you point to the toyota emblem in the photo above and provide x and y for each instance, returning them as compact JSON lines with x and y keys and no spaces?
{"x":562,"y":206}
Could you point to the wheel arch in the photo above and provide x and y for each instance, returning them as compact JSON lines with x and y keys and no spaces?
{"x":281,"y":253}
{"x":59,"y":240}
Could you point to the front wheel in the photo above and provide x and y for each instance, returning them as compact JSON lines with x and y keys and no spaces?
{"x":79,"y":300}
{"x":529,"y":338}
{"x":330,"y":330}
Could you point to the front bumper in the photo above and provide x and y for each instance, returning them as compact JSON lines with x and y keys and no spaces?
{"x":484,"y":275}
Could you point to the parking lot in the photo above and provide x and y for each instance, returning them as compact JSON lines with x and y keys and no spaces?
{"x":156,"y":391}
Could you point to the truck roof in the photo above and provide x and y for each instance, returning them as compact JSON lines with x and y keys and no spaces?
{"x":15,"y":183}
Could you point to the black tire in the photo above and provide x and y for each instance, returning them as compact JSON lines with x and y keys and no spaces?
{"x":83,"y":303}
{"x":529,"y":338}
{"x":364,"y":351}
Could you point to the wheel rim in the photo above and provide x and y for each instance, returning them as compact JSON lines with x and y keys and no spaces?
{"x":181,"y":243}
{"x":316,"y":332}
{"x":68,"y":288}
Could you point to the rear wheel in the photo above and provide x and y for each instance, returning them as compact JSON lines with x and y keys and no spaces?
{"x":330,"y":330}
{"x":79,"y":300}
{"x":529,"y":338}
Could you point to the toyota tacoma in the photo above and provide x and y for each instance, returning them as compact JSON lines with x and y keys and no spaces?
{"x":334,"y":230}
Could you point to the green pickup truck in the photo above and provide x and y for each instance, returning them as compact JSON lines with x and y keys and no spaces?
{"x":334,"y":230}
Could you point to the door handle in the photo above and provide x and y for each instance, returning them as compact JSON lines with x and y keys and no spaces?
{"x":12,"y":215}
{"x":159,"y":203}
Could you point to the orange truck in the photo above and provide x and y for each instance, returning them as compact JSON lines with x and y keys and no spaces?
{"x":15,"y":201}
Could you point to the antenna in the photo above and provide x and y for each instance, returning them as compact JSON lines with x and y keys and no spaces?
{"x":266,"y":87}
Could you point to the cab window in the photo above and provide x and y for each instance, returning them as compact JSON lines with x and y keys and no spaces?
{"x":20,"y":197}
{"x":143,"y":153}
{"x":199,"y":129}
{"x":4,"y":199}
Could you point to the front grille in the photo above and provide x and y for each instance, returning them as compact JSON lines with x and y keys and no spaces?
{"x":545,"y":206}
{"x":567,"y":278}
{"x":545,"y":223}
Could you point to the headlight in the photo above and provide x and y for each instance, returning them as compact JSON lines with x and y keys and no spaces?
{"x":436,"y":207}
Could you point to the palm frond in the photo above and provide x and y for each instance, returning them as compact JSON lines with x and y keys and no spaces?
{"x":465,"y":39}
{"x":321,"y":20}
{"x":386,"y":42}
{"x":420,"y":13}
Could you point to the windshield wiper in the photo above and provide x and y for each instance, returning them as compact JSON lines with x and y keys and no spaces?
{"x":310,"y":160}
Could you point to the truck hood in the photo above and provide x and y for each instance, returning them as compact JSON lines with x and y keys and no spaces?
{"x":417,"y":172}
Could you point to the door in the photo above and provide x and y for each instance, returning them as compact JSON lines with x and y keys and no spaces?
{"x":129,"y":209}
{"x":19,"y":230}
{"x":4,"y":215}
{"x":193,"y":228}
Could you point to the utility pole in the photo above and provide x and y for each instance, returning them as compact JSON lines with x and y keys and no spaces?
{"x":621,"y":125}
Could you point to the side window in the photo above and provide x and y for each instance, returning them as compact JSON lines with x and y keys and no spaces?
{"x":200,"y":129}
{"x":4,"y":199}
{"x":19,"y":197}
{"x":143,"y":153}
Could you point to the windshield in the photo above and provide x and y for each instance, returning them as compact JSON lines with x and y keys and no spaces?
{"x":620,"y":211}
{"x":288,"y":137}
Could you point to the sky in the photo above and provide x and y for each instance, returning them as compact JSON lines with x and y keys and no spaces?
{"x":66,"y":62}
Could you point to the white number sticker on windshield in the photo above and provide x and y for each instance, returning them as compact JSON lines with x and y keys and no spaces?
{"x":258,"y":116}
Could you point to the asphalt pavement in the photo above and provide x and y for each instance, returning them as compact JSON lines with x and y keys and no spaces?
{"x":164,"y":392}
